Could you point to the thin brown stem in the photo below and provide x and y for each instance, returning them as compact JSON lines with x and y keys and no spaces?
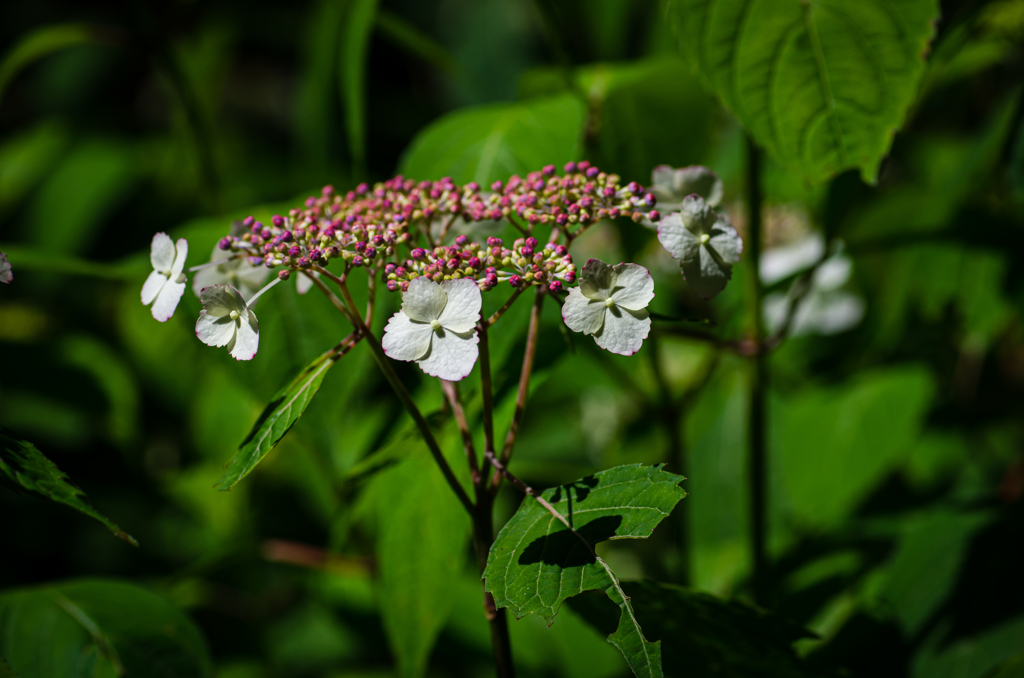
{"x":338,"y":303}
{"x":403,"y":394}
{"x":524,"y":385}
{"x":451,"y":391}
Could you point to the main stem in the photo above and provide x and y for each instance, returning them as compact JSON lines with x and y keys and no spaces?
{"x":757,"y":387}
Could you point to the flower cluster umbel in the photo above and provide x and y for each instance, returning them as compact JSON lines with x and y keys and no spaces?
{"x":429,"y":235}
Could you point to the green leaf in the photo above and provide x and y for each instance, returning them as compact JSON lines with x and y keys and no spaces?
{"x":706,"y":635}
{"x":24,"y":465}
{"x":98,"y":628}
{"x":277,"y":419}
{"x":823,"y":86}
{"x":490,"y":143}
{"x":41,"y":42}
{"x":422,"y":536}
{"x":537,"y":562}
{"x":355,"y":41}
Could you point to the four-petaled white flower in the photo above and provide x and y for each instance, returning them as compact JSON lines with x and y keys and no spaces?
{"x":437,"y":327}
{"x":704,"y":242}
{"x":226,"y":320}
{"x":237,"y":272}
{"x":166,"y":283}
{"x":610,"y":303}
{"x":5,"y":269}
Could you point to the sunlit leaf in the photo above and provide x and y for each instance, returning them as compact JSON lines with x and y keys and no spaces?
{"x":422,"y":533}
{"x":98,"y":628}
{"x":490,"y":143}
{"x":277,"y":419}
{"x":536,"y":562}
{"x":824,"y":85}
{"x":25,"y":466}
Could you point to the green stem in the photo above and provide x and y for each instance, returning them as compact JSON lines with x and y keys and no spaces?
{"x":757,"y":387}
{"x":403,"y":394}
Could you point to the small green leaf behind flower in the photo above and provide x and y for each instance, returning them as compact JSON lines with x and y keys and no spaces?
{"x":537,"y":562}
{"x":29,"y":469}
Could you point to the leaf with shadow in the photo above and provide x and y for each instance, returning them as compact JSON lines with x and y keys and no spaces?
{"x":537,"y":561}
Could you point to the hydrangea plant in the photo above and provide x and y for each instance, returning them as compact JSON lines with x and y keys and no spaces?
{"x":401,"y":234}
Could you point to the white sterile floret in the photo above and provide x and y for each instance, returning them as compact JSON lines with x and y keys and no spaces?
{"x":237,"y":272}
{"x":165,"y":285}
{"x":437,"y":327}
{"x":5,"y":269}
{"x":671,"y":185}
{"x":226,"y":320}
{"x":610,"y":303}
{"x":704,"y":242}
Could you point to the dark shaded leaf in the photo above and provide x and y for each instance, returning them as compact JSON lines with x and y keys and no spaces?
{"x":24,"y":465}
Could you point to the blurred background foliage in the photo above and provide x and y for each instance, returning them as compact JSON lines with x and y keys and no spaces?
{"x":896,"y":414}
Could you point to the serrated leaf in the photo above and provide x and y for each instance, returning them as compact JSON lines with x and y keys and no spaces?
{"x":706,"y":635}
{"x":488,"y":143}
{"x":98,"y":627}
{"x":537,"y":562}
{"x":822,"y":85}
{"x":277,"y":419}
{"x":28,"y":468}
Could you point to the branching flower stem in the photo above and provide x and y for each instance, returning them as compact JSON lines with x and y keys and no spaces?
{"x":403,"y":395}
{"x":508,"y":304}
{"x":524,"y":387}
{"x":451,"y":392}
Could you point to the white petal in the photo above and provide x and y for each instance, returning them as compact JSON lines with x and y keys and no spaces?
{"x":596,"y":279}
{"x":634,"y":286}
{"x":161,"y":252}
{"x":179,"y":259}
{"x":624,"y":331}
{"x":680,"y":242}
{"x":452,"y":355}
{"x":424,"y":300}
{"x":167,"y":300}
{"x":663,"y":181}
{"x":462,"y":310}
{"x":5,"y":269}
{"x":700,"y":180}
{"x":250,"y":278}
{"x":222,"y":300}
{"x":725,"y":240}
{"x":405,"y":339}
{"x":152,"y":287}
{"x":247,"y":338}
{"x":304,"y":282}
{"x":215,"y":330}
{"x":696,"y":215}
{"x":582,"y":314}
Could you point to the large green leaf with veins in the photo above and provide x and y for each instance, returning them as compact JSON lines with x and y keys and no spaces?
{"x":822,"y":85}
{"x":537,"y":561}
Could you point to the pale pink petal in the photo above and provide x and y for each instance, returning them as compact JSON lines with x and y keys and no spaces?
{"x":181,"y":249}
{"x":405,"y":339}
{"x":167,"y":300}
{"x":222,"y":300}
{"x":582,"y":314}
{"x":451,"y":355}
{"x":596,"y":279}
{"x":161,"y":252}
{"x":152,"y":287}
{"x":634,"y":287}
{"x":215,"y":330}
{"x":624,"y":331}
{"x":247,"y":338}
{"x":424,"y":300}
{"x":462,"y":310}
